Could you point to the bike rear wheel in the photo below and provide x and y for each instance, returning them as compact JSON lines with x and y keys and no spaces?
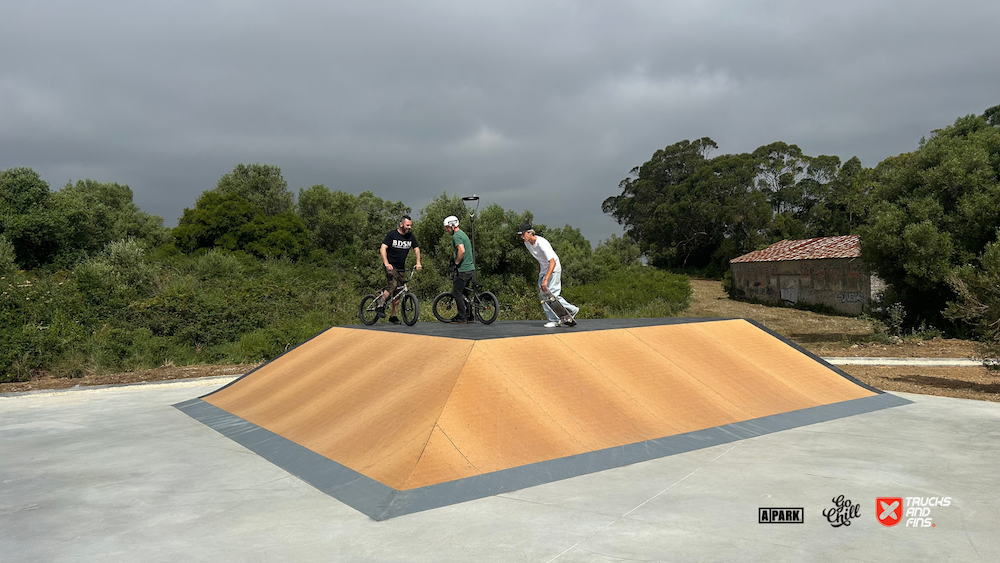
{"x":366,"y":311}
{"x":444,"y":307}
{"x":487,"y":308}
{"x":409,"y":309}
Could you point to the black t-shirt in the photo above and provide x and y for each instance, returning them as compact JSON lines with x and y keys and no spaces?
{"x":398,"y":247}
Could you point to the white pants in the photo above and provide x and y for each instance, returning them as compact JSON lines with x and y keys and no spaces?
{"x":555,"y":287}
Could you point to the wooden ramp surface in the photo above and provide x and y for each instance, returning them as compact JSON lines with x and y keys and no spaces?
{"x":410,"y":410}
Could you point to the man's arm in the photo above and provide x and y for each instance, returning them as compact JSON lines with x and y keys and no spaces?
{"x":385,"y":259}
{"x":548,"y":273}
{"x":459,"y":253}
{"x":417,"y":251}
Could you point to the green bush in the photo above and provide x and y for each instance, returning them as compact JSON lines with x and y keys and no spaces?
{"x":8,"y":259}
{"x":639,"y":290}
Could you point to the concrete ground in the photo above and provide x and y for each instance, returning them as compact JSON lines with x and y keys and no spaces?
{"x":118,"y":474}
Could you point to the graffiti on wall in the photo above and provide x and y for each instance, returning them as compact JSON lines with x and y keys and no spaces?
{"x":851,"y":297}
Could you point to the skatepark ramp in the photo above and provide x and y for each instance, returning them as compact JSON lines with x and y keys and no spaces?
{"x":393,"y":420}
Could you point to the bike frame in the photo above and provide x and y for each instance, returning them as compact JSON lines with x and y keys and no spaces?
{"x":401,"y":289}
{"x":474,"y":289}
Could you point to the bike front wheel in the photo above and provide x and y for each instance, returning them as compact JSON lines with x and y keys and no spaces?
{"x":366,"y":311}
{"x":410,"y":309}
{"x":487,"y":308}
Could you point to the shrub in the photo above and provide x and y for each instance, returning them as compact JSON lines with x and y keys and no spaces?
{"x":630,"y":290}
{"x":7,"y":257}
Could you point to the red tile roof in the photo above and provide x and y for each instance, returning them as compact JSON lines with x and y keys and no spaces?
{"x":846,"y":246}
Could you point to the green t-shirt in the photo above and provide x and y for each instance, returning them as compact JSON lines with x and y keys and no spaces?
{"x":467,"y":264}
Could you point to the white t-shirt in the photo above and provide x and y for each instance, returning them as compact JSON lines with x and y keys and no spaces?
{"x":542,"y":251}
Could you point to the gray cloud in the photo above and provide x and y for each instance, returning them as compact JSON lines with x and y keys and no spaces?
{"x":541,"y":106}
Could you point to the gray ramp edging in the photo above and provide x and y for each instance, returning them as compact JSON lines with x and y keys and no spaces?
{"x":380,"y":502}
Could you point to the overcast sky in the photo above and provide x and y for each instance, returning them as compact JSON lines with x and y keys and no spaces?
{"x":534,"y":105}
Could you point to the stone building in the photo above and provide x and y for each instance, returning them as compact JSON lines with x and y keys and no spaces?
{"x":825,"y":271}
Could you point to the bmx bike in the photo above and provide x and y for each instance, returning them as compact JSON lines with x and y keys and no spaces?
{"x":409,"y":306}
{"x":483,"y":304}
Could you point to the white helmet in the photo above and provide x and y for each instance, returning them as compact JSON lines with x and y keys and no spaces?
{"x":451,"y":221}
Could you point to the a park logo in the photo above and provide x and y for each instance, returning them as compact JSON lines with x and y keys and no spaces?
{"x":780,"y":515}
{"x":889,"y":510}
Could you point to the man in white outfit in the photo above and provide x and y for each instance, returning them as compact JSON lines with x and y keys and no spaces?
{"x":549,"y":274}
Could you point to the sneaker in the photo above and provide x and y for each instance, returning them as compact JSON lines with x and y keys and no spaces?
{"x":380,"y":312}
{"x":395,"y":320}
{"x":551,"y":324}
{"x":459,"y":322}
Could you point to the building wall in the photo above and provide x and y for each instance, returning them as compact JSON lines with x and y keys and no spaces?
{"x":840,"y":283}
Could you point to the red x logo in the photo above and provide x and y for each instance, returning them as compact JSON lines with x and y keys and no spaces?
{"x":889,"y":510}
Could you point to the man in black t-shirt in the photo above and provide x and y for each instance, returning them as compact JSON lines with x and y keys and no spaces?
{"x":395,"y":247}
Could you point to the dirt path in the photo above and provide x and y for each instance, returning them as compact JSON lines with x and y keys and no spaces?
{"x":823,"y":335}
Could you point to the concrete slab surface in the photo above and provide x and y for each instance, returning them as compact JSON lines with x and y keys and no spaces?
{"x":925,"y":362}
{"x":118,"y":474}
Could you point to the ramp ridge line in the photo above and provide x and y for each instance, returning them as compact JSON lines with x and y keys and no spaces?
{"x":437,"y":418}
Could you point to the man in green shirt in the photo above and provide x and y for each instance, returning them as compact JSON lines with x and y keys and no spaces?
{"x":463,"y":265}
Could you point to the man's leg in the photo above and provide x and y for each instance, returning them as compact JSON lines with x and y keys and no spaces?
{"x":391,"y":286}
{"x":555,"y":286}
{"x":552,"y":317}
{"x":470,"y":314}
{"x":458,"y":294}
{"x":395,"y":304}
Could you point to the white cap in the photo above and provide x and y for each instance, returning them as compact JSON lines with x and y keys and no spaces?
{"x":451,"y":221}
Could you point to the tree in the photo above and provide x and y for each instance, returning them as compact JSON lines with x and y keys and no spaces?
{"x":8,"y":256}
{"x":781,"y":169}
{"x":933,"y":211}
{"x":499,"y":249}
{"x":977,"y":301}
{"x":685,"y":210}
{"x":28,"y":219}
{"x":100,"y":213}
{"x":616,"y":253}
{"x":335,"y":219}
{"x":651,"y":186}
{"x":229,"y":222}
{"x":836,"y":196}
{"x":575,"y":255}
{"x":62,"y":228}
{"x":21,"y":190}
{"x":259,"y":184}
{"x":381,"y":216}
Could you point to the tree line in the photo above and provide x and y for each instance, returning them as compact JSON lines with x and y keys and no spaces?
{"x":928,"y":220}
{"x":90,"y":283}
{"x":93,"y":283}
